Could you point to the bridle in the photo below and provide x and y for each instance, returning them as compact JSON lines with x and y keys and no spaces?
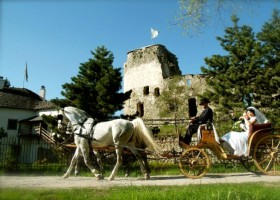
{"x":60,"y":121}
{"x":61,"y":124}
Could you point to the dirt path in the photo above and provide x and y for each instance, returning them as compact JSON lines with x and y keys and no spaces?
{"x":79,"y":182}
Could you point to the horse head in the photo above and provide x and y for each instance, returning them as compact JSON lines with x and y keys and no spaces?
{"x":70,"y":117}
{"x":61,"y":120}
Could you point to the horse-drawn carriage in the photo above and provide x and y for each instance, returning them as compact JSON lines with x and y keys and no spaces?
{"x":263,"y":151}
{"x":194,"y":161}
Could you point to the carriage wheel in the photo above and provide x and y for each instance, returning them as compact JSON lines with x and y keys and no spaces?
{"x":267,"y":155}
{"x":194,"y":163}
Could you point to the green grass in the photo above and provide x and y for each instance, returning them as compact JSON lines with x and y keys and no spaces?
{"x":250,"y":191}
{"x":168,"y":130}
{"x":157,"y":168}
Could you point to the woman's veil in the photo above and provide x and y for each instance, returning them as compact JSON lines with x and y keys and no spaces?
{"x":261,"y":119}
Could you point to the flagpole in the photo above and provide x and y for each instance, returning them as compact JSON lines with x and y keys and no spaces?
{"x":23,"y":81}
{"x":25,"y":78}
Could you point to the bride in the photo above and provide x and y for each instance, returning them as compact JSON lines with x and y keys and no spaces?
{"x":238,"y":140}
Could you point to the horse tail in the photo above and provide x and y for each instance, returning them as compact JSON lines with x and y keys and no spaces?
{"x":144,"y":134}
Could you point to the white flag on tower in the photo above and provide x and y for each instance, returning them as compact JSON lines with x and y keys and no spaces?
{"x":154,"y":33}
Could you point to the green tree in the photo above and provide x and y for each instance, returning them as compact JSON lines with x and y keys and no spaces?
{"x":96,"y":88}
{"x":173,"y":100}
{"x":232,"y":77}
{"x":249,"y":73}
{"x":269,"y":82}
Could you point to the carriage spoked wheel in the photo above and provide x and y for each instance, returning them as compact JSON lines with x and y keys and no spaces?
{"x":194,"y":162}
{"x":267,"y":155}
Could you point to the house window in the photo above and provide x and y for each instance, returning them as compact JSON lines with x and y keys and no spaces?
{"x":146,"y":90}
{"x":12,"y":124}
{"x":156,"y":92}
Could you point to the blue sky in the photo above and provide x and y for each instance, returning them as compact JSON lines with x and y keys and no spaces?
{"x":54,"y":37}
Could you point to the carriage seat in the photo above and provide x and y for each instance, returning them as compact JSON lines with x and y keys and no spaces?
{"x":255,"y":127}
{"x":209,"y":136}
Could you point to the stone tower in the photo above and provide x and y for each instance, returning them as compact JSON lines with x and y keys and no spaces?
{"x":145,"y":72}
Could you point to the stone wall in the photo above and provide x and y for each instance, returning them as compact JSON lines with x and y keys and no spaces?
{"x":146,"y":71}
{"x":149,"y":66}
{"x":196,"y":82}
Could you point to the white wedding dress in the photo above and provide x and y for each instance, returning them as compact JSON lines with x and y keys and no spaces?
{"x":238,"y":140}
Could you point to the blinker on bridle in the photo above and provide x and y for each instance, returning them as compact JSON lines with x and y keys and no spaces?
{"x":59,"y":117}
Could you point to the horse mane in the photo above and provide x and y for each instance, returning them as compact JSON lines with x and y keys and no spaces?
{"x":144,"y":134}
{"x":75,"y":115}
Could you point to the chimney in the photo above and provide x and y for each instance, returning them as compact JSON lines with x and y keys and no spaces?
{"x":42,"y":92}
{"x":2,"y":82}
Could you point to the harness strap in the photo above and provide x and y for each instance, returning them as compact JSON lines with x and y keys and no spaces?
{"x":91,"y":130}
{"x":83,"y":136}
{"x":81,"y":124}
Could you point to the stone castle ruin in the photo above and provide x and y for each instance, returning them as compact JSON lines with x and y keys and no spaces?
{"x":146,"y":71}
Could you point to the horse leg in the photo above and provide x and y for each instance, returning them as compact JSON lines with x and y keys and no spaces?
{"x":99,"y":162}
{"x":77,"y":167}
{"x":144,"y":166}
{"x":85,"y":152}
{"x":73,"y":162}
{"x":127,"y":161}
{"x":118,"y":163}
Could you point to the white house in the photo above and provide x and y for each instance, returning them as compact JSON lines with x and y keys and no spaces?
{"x":20,"y":116}
{"x":21,"y":108}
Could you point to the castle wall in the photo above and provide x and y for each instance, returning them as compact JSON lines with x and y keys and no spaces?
{"x":145,"y":73}
{"x":197,"y":83}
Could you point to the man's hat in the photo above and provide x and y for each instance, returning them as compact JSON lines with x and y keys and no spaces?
{"x":204,"y":100}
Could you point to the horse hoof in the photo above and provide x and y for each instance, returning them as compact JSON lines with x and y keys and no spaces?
{"x":111,"y":178}
{"x":147,"y":176}
{"x":65,"y":176}
{"x":126,"y":175}
{"x":100,"y":177}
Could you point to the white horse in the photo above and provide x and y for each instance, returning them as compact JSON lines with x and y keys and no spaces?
{"x":118,"y":133}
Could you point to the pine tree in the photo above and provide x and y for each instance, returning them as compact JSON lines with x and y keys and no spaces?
{"x":96,"y":88}
{"x":269,"y":82}
{"x":250,"y":72}
{"x":233,"y":76}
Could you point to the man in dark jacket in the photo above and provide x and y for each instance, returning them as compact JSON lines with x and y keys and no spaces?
{"x":205,"y":116}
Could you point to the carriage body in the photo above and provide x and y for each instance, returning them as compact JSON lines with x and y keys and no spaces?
{"x":263,"y":152}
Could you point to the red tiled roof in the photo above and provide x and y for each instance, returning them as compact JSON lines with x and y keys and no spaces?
{"x":21,"y":98}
